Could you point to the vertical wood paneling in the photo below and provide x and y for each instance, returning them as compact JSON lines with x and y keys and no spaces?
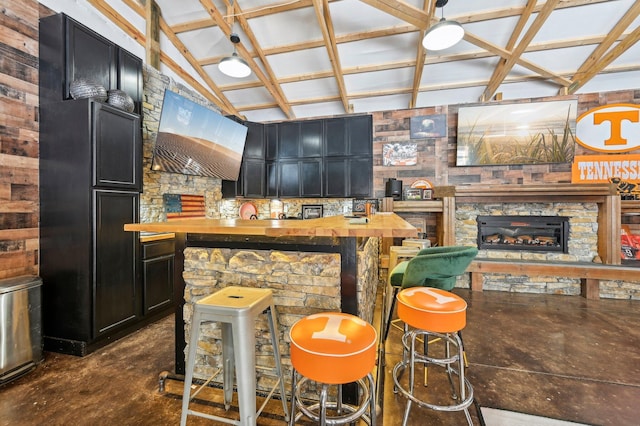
{"x":19,"y":129}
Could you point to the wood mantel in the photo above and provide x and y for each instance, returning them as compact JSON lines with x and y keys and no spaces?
{"x":561,"y":192}
{"x":605,"y":195}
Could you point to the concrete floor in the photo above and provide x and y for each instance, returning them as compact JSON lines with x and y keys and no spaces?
{"x":563,"y":357}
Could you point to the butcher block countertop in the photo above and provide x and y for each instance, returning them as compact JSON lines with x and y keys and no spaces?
{"x":384,"y":225}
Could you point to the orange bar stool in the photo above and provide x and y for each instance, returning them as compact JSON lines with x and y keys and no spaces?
{"x":333,"y":349}
{"x":236,"y":309}
{"x":428,"y":312}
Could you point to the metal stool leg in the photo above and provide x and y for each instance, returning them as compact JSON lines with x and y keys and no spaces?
{"x":191,"y":359}
{"x":294,"y":383}
{"x":273,"y":327}
{"x":245,"y":354}
{"x":390,"y":314}
{"x":228,"y":363}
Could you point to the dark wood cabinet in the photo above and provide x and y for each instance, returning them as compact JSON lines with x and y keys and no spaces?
{"x":350,"y":135}
{"x":310,"y":158}
{"x":271,"y":141}
{"x":311,"y":138}
{"x":130,"y":78}
{"x":289,"y":140}
{"x":90,"y":160}
{"x":116,"y":146}
{"x":273,"y":181}
{"x":116,"y":286}
{"x":289,"y":179}
{"x":157,"y":275}
{"x":348,"y":157}
{"x":311,"y":174}
{"x":353,"y":176}
{"x":90,"y":183}
{"x":70,"y":51}
{"x":253,"y":177}
{"x":335,"y":177}
{"x":254,"y":146}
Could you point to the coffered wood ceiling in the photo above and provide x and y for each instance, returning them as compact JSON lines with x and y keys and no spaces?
{"x":314,"y":58}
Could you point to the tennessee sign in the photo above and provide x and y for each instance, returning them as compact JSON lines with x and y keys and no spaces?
{"x":604,"y":168}
{"x":610,"y":128}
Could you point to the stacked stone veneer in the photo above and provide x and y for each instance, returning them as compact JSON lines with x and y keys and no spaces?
{"x":303,"y":283}
{"x":583,"y":247}
{"x":583,"y":243}
{"x":156,"y":184}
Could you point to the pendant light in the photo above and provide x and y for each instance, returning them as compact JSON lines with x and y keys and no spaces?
{"x":234,"y":66}
{"x":444,"y":34}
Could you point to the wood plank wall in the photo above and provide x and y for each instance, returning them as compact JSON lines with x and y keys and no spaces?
{"x":19,"y":137}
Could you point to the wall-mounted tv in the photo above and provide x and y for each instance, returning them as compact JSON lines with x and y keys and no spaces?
{"x":195,"y":140}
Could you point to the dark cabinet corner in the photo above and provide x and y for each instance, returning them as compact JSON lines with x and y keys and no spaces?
{"x":254,"y":146}
{"x":307,"y":158}
{"x":157,"y":275}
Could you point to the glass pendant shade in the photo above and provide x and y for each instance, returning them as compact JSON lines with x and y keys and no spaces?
{"x":234,"y":66}
{"x":443,"y":35}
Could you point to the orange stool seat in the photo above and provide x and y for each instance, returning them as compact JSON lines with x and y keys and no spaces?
{"x":333,"y":347}
{"x":432,"y":309}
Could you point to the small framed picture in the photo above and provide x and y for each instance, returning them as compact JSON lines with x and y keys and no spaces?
{"x":413,"y":194}
{"x":359,"y":205}
{"x":427,"y":194}
{"x":311,"y":211}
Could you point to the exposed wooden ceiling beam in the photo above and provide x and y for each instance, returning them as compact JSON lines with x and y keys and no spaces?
{"x":323,"y":16}
{"x":219,"y":99}
{"x":430,"y":8}
{"x":401,"y":10}
{"x":515,"y":34}
{"x":607,"y":59}
{"x":515,"y":55}
{"x":152,"y":32}
{"x":584,"y":73}
{"x":268,"y":84}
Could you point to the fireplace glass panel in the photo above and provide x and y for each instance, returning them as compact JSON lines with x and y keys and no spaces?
{"x":537,"y":233}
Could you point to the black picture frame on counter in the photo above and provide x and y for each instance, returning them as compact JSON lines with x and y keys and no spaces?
{"x":312,"y":211}
{"x":359,"y":207}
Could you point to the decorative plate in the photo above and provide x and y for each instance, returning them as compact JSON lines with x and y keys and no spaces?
{"x":422,"y":184}
{"x":247,"y":210}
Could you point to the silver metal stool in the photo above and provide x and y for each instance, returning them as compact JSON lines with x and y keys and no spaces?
{"x":439,"y":313}
{"x":236,"y":308}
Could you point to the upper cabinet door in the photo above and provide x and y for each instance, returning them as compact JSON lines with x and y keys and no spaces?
{"x":130,"y":77}
{"x":289,"y":140}
{"x":311,"y":138}
{"x":271,"y":141}
{"x":89,"y":56}
{"x":117,"y":148}
{"x":360,"y":135}
{"x":336,"y":137}
{"x":349,"y":136}
{"x":254,"y":145}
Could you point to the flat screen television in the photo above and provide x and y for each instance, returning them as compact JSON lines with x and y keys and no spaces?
{"x":195,"y":140}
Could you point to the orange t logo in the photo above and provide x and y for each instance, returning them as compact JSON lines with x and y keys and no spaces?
{"x":615,"y":118}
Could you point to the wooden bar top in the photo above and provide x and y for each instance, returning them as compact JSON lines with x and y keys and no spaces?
{"x":384,"y":224}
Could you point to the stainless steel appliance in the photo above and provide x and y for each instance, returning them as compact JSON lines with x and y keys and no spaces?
{"x":20,"y":326}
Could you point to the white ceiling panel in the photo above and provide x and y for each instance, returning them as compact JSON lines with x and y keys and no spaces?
{"x":317,"y":88}
{"x":377,"y":44}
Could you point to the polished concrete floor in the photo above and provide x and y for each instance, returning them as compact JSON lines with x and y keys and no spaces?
{"x":562,"y":357}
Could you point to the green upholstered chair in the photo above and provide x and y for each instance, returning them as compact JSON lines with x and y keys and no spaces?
{"x":432,"y":267}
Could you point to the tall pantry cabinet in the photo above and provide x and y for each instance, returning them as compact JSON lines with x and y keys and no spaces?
{"x":90,"y":183}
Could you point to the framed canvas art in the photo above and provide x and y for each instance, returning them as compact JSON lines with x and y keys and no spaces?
{"x":531,"y":133}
